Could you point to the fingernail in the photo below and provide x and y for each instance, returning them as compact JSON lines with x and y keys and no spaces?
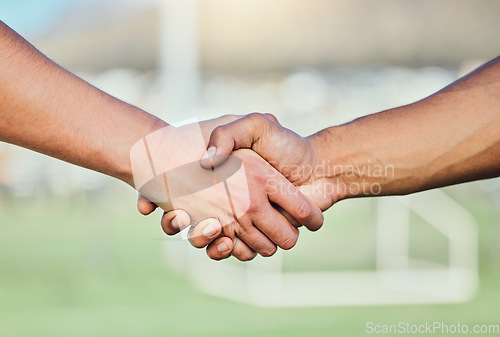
{"x":222,"y":247}
{"x":209,"y":231}
{"x":211,"y":151}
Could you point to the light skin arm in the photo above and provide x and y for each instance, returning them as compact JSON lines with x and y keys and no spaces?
{"x":448,"y":138}
{"x":45,"y":108}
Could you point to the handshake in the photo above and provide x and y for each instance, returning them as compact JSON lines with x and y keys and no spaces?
{"x":244,"y":193}
{"x":244,"y":185}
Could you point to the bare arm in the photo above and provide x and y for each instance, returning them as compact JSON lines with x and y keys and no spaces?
{"x":45,"y":108}
{"x":450,"y":137}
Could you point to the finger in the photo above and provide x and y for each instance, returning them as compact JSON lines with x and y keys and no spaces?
{"x":174,"y":221}
{"x":224,"y":247}
{"x":241,"y":133}
{"x":287,"y":216}
{"x":254,"y":238}
{"x":272,"y":117}
{"x":277,"y":228}
{"x":220,"y":248}
{"x":144,"y":206}
{"x":288,"y":197}
{"x":204,"y":232}
{"x":241,"y":251}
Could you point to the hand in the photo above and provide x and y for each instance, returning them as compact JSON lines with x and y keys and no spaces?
{"x":294,"y":156}
{"x":291,"y":154}
{"x":259,"y":228}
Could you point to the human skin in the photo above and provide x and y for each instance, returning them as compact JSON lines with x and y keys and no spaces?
{"x":450,"y":137}
{"x":251,"y":194}
{"x":45,"y":108}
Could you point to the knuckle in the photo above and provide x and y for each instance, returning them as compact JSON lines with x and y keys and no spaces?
{"x":233,"y":116}
{"x":256,"y":116}
{"x":254,"y":207}
{"x":257,"y":119}
{"x":304,"y":211}
{"x":288,"y":242}
{"x":270,"y":115}
{"x":260,"y":179}
{"x":256,"y":175}
{"x":218,"y":131}
{"x":258,"y":122}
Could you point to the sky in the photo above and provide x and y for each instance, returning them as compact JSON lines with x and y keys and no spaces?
{"x":28,"y":17}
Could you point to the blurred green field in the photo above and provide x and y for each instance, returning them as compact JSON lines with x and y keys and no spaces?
{"x":90,"y":265}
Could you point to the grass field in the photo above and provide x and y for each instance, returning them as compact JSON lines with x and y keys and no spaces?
{"x":91,"y":266}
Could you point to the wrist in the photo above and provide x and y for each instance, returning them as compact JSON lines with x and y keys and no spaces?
{"x":329,"y":163}
{"x":348,"y":163}
{"x":135,"y":125}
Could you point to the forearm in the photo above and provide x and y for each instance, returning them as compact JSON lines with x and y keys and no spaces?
{"x":450,"y":137}
{"x":47,"y":109}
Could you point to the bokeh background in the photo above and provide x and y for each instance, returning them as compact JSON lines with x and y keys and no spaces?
{"x":76,"y":258}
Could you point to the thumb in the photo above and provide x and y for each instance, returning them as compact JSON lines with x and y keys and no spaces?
{"x":242,"y":133}
{"x":273,"y":118}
